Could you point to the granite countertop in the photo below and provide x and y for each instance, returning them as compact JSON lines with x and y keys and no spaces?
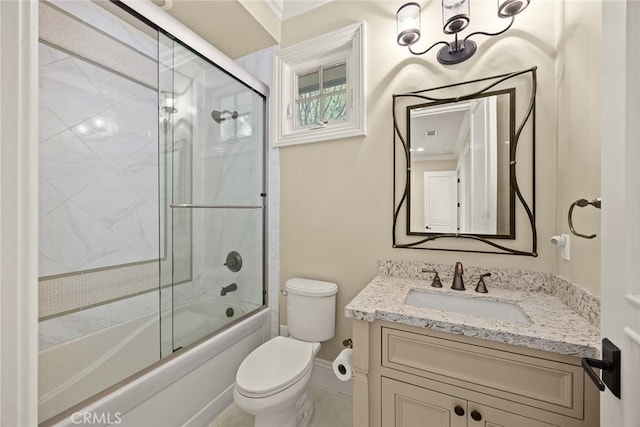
{"x":553,"y":326}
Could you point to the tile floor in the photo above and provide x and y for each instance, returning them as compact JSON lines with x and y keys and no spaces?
{"x":331,"y":410}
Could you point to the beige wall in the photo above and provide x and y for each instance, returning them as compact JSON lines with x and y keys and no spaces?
{"x":579,"y":100}
{"x":336,"y":203}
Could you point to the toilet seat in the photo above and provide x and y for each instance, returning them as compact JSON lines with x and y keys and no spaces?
{"x":274,"y":366}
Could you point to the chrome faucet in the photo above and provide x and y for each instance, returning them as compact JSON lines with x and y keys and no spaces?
{"x":458,"y":284}
{"x":229,"y":288}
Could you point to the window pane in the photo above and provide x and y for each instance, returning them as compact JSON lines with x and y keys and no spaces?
{"x":328,"y":105}
{"x":244,"y":126}
{"x":308,"y":85}
{"x":308,"y":112}
{"x":334,"y":78}
{"x":335,"y":107}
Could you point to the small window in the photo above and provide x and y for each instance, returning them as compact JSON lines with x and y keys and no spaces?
{"x":322,"y":96}
{"x":319,"y":88}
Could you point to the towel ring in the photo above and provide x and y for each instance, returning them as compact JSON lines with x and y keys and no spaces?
{"x":581,"y":203}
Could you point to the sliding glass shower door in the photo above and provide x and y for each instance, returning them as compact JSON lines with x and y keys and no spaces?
{"x":151,"y":207}
{"x":212,"y":129}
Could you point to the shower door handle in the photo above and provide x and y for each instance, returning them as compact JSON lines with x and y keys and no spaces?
{"x":190,"y":206}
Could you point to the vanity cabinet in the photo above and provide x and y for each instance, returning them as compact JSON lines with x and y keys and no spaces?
{"x":408,"y":377}
{"x":405,"y":405}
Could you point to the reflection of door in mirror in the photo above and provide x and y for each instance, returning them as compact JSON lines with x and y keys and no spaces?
{"x":454,"y":166}
{"x":483,"y":203}
{"x":440,"y":201}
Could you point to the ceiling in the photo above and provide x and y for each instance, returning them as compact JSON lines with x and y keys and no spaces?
{"x":230,"y":26}
{"x":287,"y":9}
{"x":449,"y":126}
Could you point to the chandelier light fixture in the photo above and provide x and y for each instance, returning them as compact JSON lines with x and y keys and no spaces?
{"x":455,"y":18}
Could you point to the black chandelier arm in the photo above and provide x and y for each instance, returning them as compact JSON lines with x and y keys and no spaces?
{"x":429,"y":48}
{"x":484,"y":33}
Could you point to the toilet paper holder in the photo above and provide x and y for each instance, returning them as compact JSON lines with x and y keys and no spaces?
{"x":343,"y":364}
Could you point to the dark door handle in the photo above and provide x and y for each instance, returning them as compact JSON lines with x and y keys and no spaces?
{"x":609,"y":365}
{"x":459,"y":411}
{"x":476,"y":416}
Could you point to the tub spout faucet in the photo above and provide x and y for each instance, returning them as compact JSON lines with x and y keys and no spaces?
{"x":458,"y":284}
{"x":229,"y":288}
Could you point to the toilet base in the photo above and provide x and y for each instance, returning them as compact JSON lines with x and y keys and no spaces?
{"x":304,"y":411}
{"x":297,"y":416}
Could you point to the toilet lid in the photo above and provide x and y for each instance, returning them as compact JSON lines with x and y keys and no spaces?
{"x":274,"y":366}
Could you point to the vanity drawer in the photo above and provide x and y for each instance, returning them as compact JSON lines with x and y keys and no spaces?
{"x":540,"y":383}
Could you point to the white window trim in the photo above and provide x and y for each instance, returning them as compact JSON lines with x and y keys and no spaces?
{"x":347,"y":42}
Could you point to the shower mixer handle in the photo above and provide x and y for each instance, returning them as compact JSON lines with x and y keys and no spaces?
{"x":233,"y":261}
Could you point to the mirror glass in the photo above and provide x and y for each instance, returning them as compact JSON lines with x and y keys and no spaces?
{"x":459,"y":177}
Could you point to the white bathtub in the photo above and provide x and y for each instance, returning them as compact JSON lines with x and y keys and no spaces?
{"x":190,"y":388}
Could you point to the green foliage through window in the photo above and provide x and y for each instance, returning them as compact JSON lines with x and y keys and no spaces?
{"x":322,"y":96}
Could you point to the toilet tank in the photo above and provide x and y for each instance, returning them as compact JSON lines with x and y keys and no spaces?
{"x":311,"y":309}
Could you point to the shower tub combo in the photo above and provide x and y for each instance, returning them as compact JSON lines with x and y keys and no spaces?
{"x":189,"y":389}
{"x":153,"y":213}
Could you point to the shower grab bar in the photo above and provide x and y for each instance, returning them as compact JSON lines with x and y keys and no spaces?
{"x":190,"y":206}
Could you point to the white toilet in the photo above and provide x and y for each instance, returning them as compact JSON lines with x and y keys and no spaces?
{"x":271,"y":382}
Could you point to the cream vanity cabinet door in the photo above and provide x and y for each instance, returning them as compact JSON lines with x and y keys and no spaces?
{"x":405,"y":405}
{"x":484,"y":416}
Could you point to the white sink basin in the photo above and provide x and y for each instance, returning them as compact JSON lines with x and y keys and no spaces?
{"x":500,"y":310}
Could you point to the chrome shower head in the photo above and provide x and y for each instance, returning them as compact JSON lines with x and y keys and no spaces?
{"x":217,"y":115}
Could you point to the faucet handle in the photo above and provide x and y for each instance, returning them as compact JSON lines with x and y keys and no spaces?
{"x":436,"y":280}
{"x":482,"y":287}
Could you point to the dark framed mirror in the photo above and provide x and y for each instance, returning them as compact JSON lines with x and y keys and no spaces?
{"x":464,"y":166}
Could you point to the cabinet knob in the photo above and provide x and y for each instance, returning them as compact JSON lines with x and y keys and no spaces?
{"x":476,"y":415}
{"x":459,"y":411}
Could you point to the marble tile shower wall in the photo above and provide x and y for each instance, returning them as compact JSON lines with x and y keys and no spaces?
{"x":98,"y":152}
{"x":229,"y":172}
{"x":98,"y":133}
{"x":260,"y":65}
{"x":240,"y":231}
{"x":83,"y":27}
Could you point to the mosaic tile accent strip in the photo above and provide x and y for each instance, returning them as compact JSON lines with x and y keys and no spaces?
{"x":73,"y":292}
